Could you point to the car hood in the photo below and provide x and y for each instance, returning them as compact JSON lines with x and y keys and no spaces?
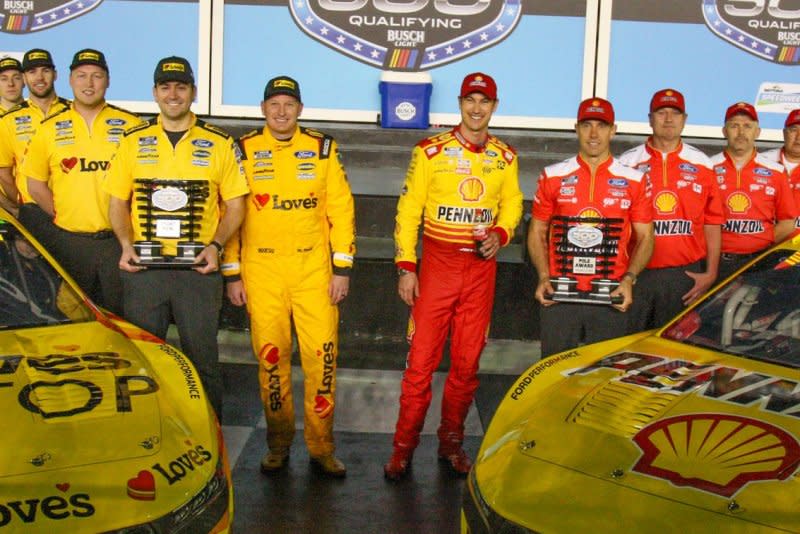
{"x":73,"y":395}
{"x":662,"y":419}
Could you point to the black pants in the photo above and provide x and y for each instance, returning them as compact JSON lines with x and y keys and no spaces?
{"x":730,"y":263}
{"x":657,"y":296}
{"x":193,"y":300}
{"x":93,"y":261}
{"x":39,"y":224}
{"x":565,"y":325}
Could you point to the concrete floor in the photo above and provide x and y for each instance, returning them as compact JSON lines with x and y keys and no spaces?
{"x":299,"y":501}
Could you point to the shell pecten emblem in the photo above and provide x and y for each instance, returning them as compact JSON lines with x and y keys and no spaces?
{"x":738,"y":202}
{"x":592,"y":214}
{"x":471,"y":189}
{"x":666,"y":202}
{"x":716,"y":453}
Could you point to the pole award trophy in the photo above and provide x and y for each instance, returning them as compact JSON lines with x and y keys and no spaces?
{"x":169,"y":210}
{"x":585,"y":246}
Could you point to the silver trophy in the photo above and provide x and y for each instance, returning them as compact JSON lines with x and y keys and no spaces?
{"x":170,"y":209}
{"x":585,"y":246}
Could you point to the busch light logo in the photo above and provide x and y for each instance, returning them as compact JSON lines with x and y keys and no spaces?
{"x":26,"y":16}
{"x":769,"y":29}
{"x":410,"y":35}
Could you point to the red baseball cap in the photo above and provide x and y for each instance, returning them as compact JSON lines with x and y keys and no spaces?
{"x":596,"y":108}
{"x":741,"y":108}
{"x":478,"y":82}
{"x":793,"y":118}
{"x":668,"y":98}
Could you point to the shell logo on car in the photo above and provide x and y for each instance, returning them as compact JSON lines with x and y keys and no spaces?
{"x":718,"y":453}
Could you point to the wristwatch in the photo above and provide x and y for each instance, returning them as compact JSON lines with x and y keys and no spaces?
{"x":630,"y":275}
{"x":217,"y":245}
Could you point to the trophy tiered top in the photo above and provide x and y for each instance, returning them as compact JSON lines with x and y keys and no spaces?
{"x":585,"y":248}
{"x":169,"y":210}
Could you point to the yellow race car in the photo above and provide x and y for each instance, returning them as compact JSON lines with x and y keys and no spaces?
{"x":692,"y":428}
{"x":107,"y":428}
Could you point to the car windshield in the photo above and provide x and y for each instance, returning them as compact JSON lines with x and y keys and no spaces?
{"x":32,"y":292}
{"x":755,"y":315}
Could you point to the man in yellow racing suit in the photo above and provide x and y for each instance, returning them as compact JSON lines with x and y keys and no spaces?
{"x":293,"y":264}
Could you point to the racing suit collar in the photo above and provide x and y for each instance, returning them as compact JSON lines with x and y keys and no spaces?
{"x":268,"y":135}
{"x":602,"y":166}
{"x":656,"y":152}
{"x":192,"y":123}
{"x":732,"y":162}
{"x":472,"y":147}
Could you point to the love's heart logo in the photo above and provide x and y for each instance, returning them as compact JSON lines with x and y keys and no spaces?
{"x":63,"y":487}
{"x":261,"y":199}
{"x":68,"y":163}
{"x":269,"y":353}
{"x":142,"y":487}
{"x":322,"y":406}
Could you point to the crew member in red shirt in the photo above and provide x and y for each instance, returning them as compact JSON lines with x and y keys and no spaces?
{"x":789,"y":156}
{"x":759,"y":208}
{"x":687,"y":217}
{"x":600,"y":192}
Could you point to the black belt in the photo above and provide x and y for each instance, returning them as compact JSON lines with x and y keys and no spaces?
{"x":102,"y":234}
{"x":728,"y":256}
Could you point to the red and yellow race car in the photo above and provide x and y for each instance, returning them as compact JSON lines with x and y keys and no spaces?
{"x":692,"y":428}
{"x":107,"y":428}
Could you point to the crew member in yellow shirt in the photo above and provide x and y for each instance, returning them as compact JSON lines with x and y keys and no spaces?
{"x":66,"y":164}
{"x":188,"y":166}
{"x":16,"y":130}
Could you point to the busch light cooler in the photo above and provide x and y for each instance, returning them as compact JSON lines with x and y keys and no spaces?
{"x":405,"y":99}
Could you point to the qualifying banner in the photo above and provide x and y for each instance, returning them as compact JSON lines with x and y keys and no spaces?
{"x":716,"y":52}
{"x":338,"y":49}
{"x":133,"y":35}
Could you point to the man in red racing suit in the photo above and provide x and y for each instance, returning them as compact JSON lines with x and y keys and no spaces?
{"x":463,"y":185}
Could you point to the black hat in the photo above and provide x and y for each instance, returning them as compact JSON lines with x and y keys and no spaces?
{"x":282,"y":85}
{"x":37,"y":57}
{"x":9,"y":63}
{"x":89,"y":56}
{"x":173,"y":69}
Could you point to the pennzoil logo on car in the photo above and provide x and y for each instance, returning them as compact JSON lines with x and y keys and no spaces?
{"x":716,"y":453}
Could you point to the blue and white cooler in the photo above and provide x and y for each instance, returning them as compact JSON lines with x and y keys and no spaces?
{"x":405,"y":99}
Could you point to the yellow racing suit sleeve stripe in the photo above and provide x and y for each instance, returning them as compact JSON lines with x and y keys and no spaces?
{"x":409,"y":208}
{"x":510,"y":206}
{"x":340,"y":212}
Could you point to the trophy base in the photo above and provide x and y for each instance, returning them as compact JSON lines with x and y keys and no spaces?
{"x":566,"y":291}
{"x":150,"y":255}
{"x":170,"y":262}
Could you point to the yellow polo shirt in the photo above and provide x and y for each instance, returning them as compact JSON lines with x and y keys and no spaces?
{"x":205,"y":153}
{"x":74,"y":158}
{"x":16,"y":129}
